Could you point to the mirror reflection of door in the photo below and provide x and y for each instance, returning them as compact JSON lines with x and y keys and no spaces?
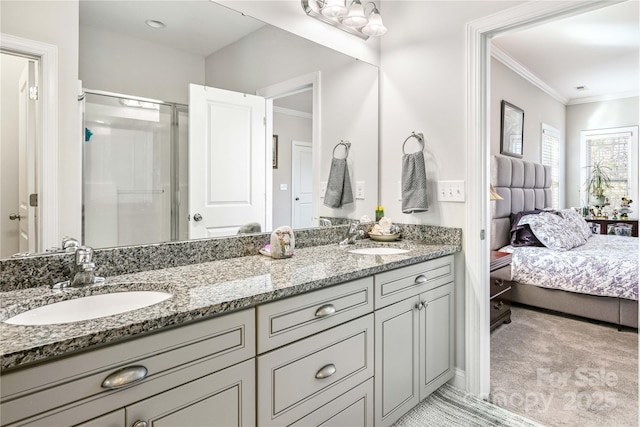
{"x":301,"y":184}
{"x":227,"y":162}
{"x":18,"y":209}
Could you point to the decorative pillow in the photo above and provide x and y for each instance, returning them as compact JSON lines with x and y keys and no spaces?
{"x":553,"y":231}
{"x":521,"y":235}
{"x":578,"y":220}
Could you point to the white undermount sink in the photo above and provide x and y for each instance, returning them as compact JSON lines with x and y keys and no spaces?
{"x":89,"y":307}
{"x":379,"y":251}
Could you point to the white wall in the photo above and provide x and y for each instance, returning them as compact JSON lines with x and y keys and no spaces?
{"x":56,"y":22}
{"x":288,"y":128}
{"x":349,"y":98}
{"x":122,"y":64}
{"x":538,"y":107}
{"x":423,"y":89}
{"x":12,"y":67}
{"x":594,"y":115}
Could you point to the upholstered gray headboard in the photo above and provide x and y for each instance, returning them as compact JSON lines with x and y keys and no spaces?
{"x":523,"y":186}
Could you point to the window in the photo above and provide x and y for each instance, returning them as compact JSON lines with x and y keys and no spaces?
{"x":551,"y":157}
{"x":617,"y":149}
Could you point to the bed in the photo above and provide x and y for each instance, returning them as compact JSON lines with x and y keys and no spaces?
{"x":596,"y":279}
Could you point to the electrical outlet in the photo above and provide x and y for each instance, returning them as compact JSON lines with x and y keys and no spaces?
{"x":283,"y":187}
{"x":323,"y":188}
{"x":360,"y":190}
{"x":451,"y":191}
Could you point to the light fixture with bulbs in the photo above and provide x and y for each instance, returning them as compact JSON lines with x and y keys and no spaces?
{"x":348,"y":15}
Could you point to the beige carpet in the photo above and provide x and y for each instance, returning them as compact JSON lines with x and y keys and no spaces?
{"x":563,"y":371}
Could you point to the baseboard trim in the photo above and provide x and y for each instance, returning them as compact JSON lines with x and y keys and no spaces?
{"x":459,"y":379}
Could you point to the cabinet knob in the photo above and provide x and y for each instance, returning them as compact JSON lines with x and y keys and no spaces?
{"x":326,"y":371}
{"x":419,"y":306}
{"x":140,"y":423}
{"x":325,"y":310}
{"x":124,"y":377}
{"x":499,"y":305}
{"x":499,"y":282}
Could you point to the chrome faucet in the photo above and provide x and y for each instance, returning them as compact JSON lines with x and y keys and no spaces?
{"x":352,"y":233}
{"x":82,"y":270}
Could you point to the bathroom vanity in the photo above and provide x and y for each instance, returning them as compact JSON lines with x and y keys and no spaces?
{"x":327,"y":337}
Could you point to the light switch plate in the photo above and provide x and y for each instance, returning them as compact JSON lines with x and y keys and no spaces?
{"x":451,"y":191}
{"x":323,"y":188}
{"x":360,"y":190}
{"x":283,"y":187}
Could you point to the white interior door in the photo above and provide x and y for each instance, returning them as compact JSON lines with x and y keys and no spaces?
{"x":26,"y":159}
{"x":227,"y":161}
{"x":302,"y":184}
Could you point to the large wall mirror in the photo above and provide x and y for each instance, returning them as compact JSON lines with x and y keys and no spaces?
{"x":137,"y":60}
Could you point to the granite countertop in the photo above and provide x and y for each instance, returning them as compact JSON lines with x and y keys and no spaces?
{"x":199,"y":291}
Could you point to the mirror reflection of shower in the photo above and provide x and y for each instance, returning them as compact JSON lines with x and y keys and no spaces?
{"x":134,"y":170}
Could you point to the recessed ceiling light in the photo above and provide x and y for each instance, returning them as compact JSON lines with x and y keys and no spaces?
{"x":154,"y":24}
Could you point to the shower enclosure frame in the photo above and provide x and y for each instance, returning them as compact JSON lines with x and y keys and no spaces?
{"x":174,"y":164}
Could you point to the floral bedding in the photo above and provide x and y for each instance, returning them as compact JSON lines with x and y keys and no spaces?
{"x":605,"y":266}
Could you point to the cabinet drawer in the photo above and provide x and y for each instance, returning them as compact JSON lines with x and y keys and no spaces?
{"x":497,"y":285}
{"x":284,"y":321}
{"x":396,"y":285}
{"x":297,"y":379}
{"x":500,"y":305}
{"x":221,"y":342}
{"x":354,"y":408}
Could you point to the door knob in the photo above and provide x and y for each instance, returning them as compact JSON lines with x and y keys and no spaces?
{"x":297,"y":198}
{"x":197,"y":217}
{"x":13,"y":217}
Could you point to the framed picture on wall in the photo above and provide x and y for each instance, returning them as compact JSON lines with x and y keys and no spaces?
{"x":511,"y":130}
{"x":275,"y":151}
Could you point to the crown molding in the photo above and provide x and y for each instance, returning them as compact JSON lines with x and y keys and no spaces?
{"x":600,"y":98}
{"x":526,"y":74}
{"x":290,"y":112}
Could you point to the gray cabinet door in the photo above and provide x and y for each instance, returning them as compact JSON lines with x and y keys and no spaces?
{"x":354,"y":408}
{"x":112,"y":419}
{"x":436,"y":339}
{"x":226,"y":398}
{"x":397,"y":360}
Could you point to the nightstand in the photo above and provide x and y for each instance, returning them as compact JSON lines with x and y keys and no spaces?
{"x":500,"y":289}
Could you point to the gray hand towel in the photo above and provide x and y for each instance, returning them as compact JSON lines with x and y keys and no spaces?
{"x":338,"y":191}
{"x":414,"y":183}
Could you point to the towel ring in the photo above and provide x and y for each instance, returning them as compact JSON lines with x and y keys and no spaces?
{"x":418,"y":136}
{"x":347,"y":146}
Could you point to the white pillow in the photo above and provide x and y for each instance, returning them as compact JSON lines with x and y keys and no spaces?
{"x":577,"y":219}
{"x":553,"y":231}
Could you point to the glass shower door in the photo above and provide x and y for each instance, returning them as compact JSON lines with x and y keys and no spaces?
{"x":127,"y":181}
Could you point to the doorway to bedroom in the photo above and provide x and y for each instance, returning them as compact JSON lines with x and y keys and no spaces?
{"x":557,"y":369}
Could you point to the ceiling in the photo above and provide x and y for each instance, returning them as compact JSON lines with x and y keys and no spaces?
{"x":597,"y":50}
{"x":200,"y":27}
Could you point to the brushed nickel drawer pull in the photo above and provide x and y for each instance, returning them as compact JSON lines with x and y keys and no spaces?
{"x":499,"y":282}
{"x":140,"y":424}
{"x":124,"y":377}
{"x":325,"y":310}
{"x":326,"y":371}
{"x":420,"y":280}
{"x":499,"y":305}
